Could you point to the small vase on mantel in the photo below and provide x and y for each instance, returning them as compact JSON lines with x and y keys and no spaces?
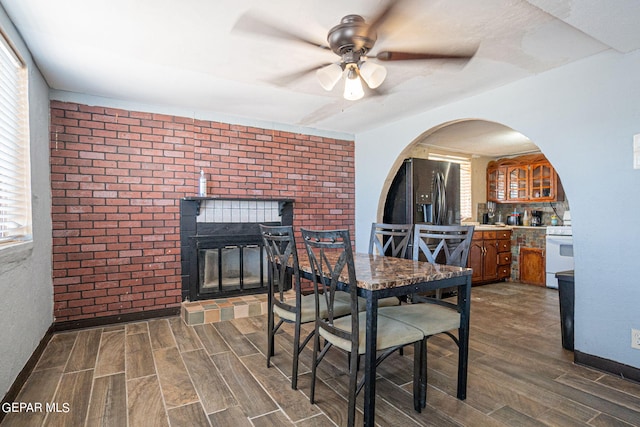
{"x":202,"y":188}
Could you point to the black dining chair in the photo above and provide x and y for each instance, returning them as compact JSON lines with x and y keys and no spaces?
{"x":442,"y":244}
{"x":437,"y":244}
{"x":291,"y":307}
{"x":390,"y":239}
{"x":331,"y":259}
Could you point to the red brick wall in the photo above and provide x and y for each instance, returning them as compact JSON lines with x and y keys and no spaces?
{"x":117,"y":177}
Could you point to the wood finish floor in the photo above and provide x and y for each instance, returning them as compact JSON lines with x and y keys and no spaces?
{"x":163,"y":373}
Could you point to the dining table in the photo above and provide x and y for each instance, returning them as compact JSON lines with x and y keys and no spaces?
{"x":380,"y":277}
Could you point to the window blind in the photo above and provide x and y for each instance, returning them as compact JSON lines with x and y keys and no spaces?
{"x":465,"y":180}
{"x":15,"y":188}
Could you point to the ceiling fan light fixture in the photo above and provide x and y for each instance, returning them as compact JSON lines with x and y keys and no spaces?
{"x":372,"y":73}
{"x":353,"y":85}
{"x":328,"y":76}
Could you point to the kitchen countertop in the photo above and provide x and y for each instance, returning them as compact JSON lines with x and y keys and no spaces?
{"x":488,"y":227}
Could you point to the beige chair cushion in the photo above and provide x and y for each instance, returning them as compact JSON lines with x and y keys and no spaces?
{"x":390,"y":333}
{"x":384,"y":302}
{"x":429,"y":318}
{"x":341,"y":307}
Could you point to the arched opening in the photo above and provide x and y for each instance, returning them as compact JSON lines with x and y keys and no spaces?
{"x":480,"y":141}
{"x":480,"y":144}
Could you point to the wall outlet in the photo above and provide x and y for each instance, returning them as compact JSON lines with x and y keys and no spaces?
{"x":635,"y":338}
{"x":636,"y":151}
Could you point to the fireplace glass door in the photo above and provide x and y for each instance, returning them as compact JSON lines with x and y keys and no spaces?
{"x":232,"y":269}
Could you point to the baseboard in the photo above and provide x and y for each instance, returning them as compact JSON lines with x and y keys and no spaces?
{"x":110,"y":320}
{"x":609,"y":366}
{"x":18,"y":383}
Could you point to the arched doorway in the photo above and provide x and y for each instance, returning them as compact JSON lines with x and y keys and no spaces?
{"x":478,"y":143}
{"x":478,"y":140}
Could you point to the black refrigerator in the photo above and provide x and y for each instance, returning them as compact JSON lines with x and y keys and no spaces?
{"x":424,"y":191}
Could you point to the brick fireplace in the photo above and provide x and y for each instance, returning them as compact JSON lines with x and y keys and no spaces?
{"x":117,"y":178}
{"x":222,"y":253}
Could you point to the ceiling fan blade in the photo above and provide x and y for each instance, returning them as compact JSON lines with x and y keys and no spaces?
{"x":381,"y":17}
{"x":292,"y":77}
{"x":413,"y":56}
{"x":375,"y":22}
{"x":250,"y":23}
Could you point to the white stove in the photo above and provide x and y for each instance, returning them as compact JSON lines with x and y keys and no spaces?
{"x":559,"y":230}
{"x":559,"y":250}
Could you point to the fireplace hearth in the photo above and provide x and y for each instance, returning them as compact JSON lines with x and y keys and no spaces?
{"x":222,"y":253}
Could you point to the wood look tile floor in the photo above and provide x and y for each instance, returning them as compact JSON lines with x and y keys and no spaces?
{"x":163,"y":373}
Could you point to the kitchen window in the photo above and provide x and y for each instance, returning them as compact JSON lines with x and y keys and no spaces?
{"x":15,"y":177}
{"x":465,"y":180}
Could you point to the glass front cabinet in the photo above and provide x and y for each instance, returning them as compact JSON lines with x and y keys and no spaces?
{"x":529,"y":178}
{"x":518,"y":182}
{"x":497,"y":184}
{"x":542,"y":182}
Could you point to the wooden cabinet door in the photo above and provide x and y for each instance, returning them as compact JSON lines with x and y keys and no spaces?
{"x":542,"y":182}
{"x":490,"y":257}
{"x":497,"y":184}
{"x":532,"y":266}
{"x":518,"y":183}
{"x":476,"y":260}
{"x":490,"y":262}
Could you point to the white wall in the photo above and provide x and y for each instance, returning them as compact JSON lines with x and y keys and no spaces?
{"x":583,"y":117}
{"x":26,"y":291}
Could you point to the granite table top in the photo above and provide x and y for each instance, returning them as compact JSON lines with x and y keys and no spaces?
{"x":375,"y":272}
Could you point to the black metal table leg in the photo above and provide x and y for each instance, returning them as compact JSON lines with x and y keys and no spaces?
{"x":464,"y":302}
{"x":370,"y":361}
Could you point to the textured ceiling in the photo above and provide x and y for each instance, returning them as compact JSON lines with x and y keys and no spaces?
{"x":186,"y":53}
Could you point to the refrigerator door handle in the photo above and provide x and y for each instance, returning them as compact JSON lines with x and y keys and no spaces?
{"x":440,"y":201}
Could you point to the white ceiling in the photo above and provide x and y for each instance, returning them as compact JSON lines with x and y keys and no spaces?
{"x":186,"y":53}
{"x":480,"y":138}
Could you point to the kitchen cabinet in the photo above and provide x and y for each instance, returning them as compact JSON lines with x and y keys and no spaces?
{"x":518,"y":183}
{"x":497,"y":184}
{"x":504,"y":254}
{"x":523,"y":179}
{"x":532,"y":266}
{"x":543,"y":182}
{"x":490,"y":256}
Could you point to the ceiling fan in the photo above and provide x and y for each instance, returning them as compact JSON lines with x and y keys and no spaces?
{"x":352,"y":40}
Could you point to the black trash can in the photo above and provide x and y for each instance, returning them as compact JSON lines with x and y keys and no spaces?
{"x":567,"y":297}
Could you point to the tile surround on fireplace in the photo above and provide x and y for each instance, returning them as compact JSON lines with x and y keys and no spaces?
{"x":239,"y":211}
{"x":218,"y":310}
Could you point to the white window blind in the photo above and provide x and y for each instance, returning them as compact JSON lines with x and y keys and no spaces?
{"x":465,"y":180}
{"x":15,"y":180}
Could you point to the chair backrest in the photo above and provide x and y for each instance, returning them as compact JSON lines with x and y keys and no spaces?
{"x":280,"y":246}
{"x":331,"y":260}
{"x":442,"y":244}
{"x":390,"y":239}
